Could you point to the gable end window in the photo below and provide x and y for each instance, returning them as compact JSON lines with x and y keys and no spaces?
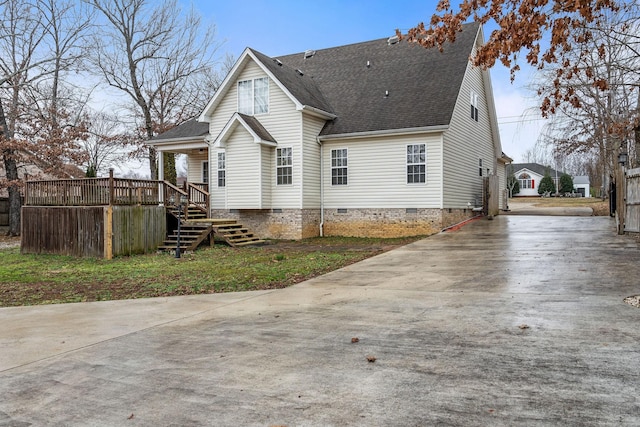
{"x":339,"y":167}
{"x":284,"y":166}
{"x":253,"y":96}
{"x":416,"y":163}
{"x":474,"y":106}
{"x":222,"y":171}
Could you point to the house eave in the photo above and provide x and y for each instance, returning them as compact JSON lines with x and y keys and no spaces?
{"x":180,"y":144}
{"x":384,"y":132}
{"x":317,"y":112}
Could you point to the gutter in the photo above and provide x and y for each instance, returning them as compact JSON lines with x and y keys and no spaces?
{"x":366,"y":134}
{"x":321,"y":187}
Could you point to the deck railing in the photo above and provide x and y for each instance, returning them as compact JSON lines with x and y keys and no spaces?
{"x":109,"y":191}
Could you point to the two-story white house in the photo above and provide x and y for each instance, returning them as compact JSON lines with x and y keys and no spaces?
{"x":381,"y":138}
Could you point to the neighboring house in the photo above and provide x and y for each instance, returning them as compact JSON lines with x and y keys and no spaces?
{"x":530,"y":174}
{"x":582,"y":185}
{"x":381,"y":138}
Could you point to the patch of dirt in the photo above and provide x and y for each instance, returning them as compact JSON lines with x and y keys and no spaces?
{"x":634,"y":300}
{"x":8,"y":241}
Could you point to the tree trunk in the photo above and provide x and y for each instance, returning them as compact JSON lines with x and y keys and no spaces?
{"x":11,"y":169}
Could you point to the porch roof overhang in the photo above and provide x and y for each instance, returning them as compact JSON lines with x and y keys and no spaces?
{"x":180,"y":145}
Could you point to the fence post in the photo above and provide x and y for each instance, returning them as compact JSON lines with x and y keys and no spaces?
{"x":111,"y":187}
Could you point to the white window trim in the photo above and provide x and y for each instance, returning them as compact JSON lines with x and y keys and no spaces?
{"x":406,"y":167}
{"x":286,"y":166}
{"x":474,"y":105}
{"x":253,"y":96}
{"x":223,"y":169}
{"x":202,"y":170}
{"x":339,"y":167}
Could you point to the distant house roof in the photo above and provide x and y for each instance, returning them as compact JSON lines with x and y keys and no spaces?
{"x":189,"y":129}
{"x":533,"y":167}
{"x":581,"y":180}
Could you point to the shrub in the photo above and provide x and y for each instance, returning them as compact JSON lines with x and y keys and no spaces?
{"x":566,"y":183}
{"x":546,"y":185}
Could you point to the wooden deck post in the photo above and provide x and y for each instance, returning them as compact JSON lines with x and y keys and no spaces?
{"x":111,"y":188}
{"x":108,"y":232}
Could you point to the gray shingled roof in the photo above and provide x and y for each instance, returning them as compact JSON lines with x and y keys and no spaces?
{"x":423,"y":84}
{"x":534,"y":167}
{"x":190,"y":128}
{"x":302,"y":87}
{"x":257,"y":127}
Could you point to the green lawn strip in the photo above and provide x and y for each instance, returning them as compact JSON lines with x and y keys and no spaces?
{"x":48,"y":279}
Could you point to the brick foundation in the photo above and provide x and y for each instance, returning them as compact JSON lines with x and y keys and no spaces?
{"x":285,"y":224}
{"x":303,"y":223}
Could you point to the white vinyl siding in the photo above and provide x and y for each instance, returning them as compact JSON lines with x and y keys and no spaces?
{"x":311,"y":127}
{"x":465,"y":142}
{"x":378,"y":174}
{"x":243,"y":171}
{"x":282,"y":122}
{"x":266,"y":154}
{"x":194,"y":165}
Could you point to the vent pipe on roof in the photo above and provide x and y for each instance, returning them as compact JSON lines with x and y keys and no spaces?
{"x":277,"y":61}
{"x":368,"y":64}
{"x":386,"y":93}
{"x":299,"y":72}
{"x":393,"y":40}
{"x":309,"y":53}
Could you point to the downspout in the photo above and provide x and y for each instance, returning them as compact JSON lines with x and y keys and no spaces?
{"x":321,"y":187}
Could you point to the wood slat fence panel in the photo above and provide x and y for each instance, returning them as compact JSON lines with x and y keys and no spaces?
{"x":632,"y":213}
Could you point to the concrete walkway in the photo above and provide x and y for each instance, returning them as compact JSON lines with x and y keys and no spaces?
{"x":515,"y":321}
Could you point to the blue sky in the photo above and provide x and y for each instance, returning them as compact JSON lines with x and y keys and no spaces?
{"x":278,"y":27}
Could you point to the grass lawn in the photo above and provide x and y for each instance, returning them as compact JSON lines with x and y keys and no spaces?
{"x":51,"y":279}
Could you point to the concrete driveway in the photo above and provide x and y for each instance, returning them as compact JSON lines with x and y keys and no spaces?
{"x":515,"y":321}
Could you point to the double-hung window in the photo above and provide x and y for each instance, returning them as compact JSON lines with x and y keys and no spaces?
{"x":222,"y":170}
{"x":474,"y":106}
{"x":253,"y":96}
{"x":339,"y":166}
{"x":416,"y":163}
{"x":284,"y":166}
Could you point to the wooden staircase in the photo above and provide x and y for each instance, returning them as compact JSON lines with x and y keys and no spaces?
{"x":196,"y":228}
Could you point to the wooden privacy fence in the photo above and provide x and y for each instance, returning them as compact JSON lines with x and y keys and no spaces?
{"x":92,"y":231}
{"x":632,"y":201}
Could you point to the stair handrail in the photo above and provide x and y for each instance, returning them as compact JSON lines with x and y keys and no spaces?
{"x":199,"y":197}
{"x":176,"y":192}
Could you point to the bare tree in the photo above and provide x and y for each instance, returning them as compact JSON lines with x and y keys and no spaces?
{"x":106,"y":143}
{"x":151,"y":54}
{"x":38,"y":42}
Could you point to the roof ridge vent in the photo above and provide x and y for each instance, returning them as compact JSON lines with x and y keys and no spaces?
{"x":309,"y":53}
{"x":393,"y":40}
{"x":277,"y":61}
{"x":299,"y":72}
